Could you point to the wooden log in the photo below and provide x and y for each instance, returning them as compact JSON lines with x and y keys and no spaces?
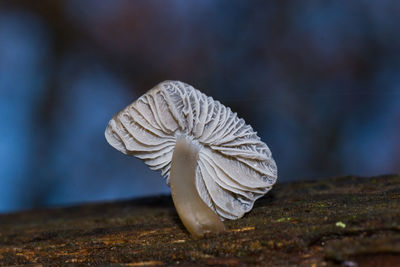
{"x":344,"y":220}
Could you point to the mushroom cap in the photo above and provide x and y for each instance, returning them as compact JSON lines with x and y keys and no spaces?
{"x":234,"y":167}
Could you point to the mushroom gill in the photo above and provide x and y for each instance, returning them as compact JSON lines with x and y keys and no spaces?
{"x":214,"y":162}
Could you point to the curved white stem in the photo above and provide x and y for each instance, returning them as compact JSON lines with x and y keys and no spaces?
{"x":197,"y":217}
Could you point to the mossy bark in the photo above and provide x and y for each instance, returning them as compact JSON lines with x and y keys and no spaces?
{"x":310,"y":223}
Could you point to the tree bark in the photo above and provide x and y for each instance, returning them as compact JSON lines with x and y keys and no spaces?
{"x":344,"y":220}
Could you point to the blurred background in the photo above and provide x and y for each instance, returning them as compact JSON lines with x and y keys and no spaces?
{"x":318,"y":80}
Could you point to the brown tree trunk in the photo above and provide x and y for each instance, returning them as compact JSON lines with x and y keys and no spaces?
{"x":345,"y":220}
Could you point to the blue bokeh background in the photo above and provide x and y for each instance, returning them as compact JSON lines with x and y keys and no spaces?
{"x":318,"y":80}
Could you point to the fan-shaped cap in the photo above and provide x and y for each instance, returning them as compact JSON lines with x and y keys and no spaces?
{"x":234,"y":168}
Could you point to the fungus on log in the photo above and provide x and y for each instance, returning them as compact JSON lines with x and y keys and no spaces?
{"x":214,"y":162}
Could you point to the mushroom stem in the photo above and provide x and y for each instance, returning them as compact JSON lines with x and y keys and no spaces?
{"x":197,"y":217}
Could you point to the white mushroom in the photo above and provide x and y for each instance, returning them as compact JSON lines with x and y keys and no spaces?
{"x":214,"y":162}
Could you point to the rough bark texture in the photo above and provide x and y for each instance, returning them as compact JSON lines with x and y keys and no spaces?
{"x":345,"y":220}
